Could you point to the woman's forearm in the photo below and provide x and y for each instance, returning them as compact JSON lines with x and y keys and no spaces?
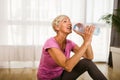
{"x":71,"y":62}
{"x":89,"y":53}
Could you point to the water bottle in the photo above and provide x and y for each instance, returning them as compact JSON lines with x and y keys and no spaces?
{"x":80,"y":27}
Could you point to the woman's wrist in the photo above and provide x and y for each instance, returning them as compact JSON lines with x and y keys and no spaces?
{"x":86,"y":44}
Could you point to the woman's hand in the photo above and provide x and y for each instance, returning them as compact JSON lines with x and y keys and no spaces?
{"x":87,"y":34}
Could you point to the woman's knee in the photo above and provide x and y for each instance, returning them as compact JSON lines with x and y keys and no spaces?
{"x":85,"y":63}
{"x":82,"y":64}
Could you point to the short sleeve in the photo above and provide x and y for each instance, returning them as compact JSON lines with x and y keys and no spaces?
{"x":50,"y":43}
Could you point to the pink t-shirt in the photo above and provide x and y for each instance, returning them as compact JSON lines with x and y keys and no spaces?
{"x":48,"y":69}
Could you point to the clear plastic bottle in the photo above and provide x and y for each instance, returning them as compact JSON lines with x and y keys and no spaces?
{"x":80,"y":27}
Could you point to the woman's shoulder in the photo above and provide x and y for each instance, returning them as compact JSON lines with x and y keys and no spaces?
{"x":51,"y":39}
{"x":50,"y":42}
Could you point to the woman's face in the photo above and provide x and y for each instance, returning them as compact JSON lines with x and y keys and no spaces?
{"x":65,"y":26}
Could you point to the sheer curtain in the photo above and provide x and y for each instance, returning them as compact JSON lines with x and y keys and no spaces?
{"x":26,"y":24}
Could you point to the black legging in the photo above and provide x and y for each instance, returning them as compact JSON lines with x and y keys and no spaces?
{"x":81,"y":67}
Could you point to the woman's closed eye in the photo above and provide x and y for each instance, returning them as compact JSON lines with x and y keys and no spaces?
{"x":64,"y":21}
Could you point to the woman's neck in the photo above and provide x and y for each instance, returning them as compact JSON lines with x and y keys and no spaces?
{"x":61,"y":40}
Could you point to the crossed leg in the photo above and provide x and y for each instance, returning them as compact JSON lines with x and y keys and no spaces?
{"x":80,"y":68}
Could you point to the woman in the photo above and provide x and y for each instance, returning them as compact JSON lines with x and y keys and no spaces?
{"x":56,"y":63}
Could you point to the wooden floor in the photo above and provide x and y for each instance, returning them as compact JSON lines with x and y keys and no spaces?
{"x":30,"y":74}
{"x":105,"y":69}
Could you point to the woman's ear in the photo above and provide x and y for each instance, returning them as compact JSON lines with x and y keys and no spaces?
{"x":57,"y":28}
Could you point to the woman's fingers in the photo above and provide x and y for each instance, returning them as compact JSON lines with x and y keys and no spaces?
{"x":89,"y":29}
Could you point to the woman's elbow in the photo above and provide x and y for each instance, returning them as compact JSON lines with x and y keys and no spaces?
{"x":90,"y":58}
{"x":68,"y":69}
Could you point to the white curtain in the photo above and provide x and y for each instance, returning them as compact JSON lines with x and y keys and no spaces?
{"x":26,"y":24}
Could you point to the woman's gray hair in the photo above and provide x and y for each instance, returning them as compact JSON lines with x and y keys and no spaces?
{"x":56,"y":21}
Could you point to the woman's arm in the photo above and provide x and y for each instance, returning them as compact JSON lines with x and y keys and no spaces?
{"x":88,"y":53}
{"x":68,"y":64}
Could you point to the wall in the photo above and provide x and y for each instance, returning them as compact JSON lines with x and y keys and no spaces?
{"x":116,"y":59}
